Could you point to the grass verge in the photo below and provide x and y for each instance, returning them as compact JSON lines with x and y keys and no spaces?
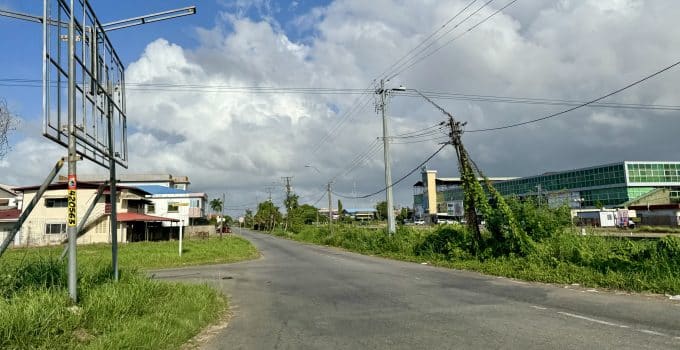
{"x":565,"y":258}
{"x":136,"y":312}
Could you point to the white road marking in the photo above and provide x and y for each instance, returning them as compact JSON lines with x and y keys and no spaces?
{"x":592,"y":319}
{"x":651,"y":332}
{"x":539,"y":307}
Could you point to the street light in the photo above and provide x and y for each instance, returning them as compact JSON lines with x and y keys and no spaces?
{"x":391,"y":226}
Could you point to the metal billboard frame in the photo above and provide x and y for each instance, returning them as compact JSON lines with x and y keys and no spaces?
{"x":99,"y":88}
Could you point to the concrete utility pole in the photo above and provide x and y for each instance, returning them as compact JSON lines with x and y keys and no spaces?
{"x":391,"y":227}
{"x":330,"y":209}
{"x":72,"y":218}
{"x":289,"y":190}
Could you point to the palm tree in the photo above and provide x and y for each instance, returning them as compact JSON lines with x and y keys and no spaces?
{"x":216,"y":205}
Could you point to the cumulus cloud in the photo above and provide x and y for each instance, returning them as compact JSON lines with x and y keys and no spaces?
{"x":240,"y":140}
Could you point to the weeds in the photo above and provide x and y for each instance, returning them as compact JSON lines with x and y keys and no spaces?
{"x":136,"y":312}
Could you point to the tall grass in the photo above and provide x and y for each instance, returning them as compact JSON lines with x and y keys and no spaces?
{"x":563,"y":257}
{"x":136,"y":312}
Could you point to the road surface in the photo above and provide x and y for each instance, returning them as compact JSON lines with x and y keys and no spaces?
{"x":300,"y":296}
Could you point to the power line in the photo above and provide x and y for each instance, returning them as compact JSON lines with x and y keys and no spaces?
{"x":18,"y":82}
{"x":396,"y":182}
{"x":454,"y":38}
{"x":581,"y":105}
{"x":428,"y":38}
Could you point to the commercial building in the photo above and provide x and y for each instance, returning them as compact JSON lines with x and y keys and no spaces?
{"x":440,"y":198}
{"x":612,"y":185}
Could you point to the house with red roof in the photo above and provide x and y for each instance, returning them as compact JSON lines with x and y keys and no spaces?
{"x":47,"y":222}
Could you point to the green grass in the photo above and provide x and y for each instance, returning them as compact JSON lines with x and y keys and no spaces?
{"x":565,"y":258}
{"x":136,"y":312}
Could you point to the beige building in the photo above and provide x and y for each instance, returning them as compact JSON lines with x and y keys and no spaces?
{"x":46,"y":224}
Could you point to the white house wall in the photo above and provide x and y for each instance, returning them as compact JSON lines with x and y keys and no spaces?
{"x":32,"y":233}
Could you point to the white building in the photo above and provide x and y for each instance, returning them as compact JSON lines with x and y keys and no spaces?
{"x":175,"y":203}
{"x":46,"y":224}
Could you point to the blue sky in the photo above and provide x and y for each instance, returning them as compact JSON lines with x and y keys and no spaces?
{"x":23,"y":40}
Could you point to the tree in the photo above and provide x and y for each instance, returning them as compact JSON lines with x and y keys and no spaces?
{"x":340,"y":216}
{"x":381,"y":207}
{"x":8,"y":123}
{"x":267,"y":216}
{"x":216,"y":205}
{"x":248,"y":219}
{"x":404,"y":214}
{"x":302,"y":215}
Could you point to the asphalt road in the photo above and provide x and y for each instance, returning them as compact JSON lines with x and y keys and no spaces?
{"x":300,"y":296}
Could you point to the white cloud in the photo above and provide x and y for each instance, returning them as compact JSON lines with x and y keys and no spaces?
{"x":240,"y":142}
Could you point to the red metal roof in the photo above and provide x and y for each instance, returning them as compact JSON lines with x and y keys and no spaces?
{"x":10,"y":214}
{"x":124,"y":217}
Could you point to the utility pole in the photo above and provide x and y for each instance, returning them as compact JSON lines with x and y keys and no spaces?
{"x":289,"y":190}
{"x":288,"y":198}
{"x":222,"y":213}
{"x":391,"y":227}
{"x":330,"y":209}
{"x":456,"y":130}
{"x":72,"y":212}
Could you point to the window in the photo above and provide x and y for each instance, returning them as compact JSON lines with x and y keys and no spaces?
{"x":151,"y":208}
{"x":173,"y":207}
{"x":195,"y":203}
{"x":55,"y":229}
{"x":56,"y":202}
{"x":4,"y":202}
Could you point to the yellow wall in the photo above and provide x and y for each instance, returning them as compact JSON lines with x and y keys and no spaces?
{"x":432,"y":191}
{"x":33,"y":231}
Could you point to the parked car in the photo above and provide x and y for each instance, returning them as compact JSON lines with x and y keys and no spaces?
{"x":419,"y":222}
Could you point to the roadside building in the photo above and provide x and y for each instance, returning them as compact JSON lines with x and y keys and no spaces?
{"x":9,"y":198}
{"x":360,"y":214}
{"x":614,"y":185}
{"x":8,"y":218}
{"x":165,"y":180}
{"x":440,"y":198}
{"x":46,"y":224}
{"x":658,"y":214}
{"x":175,"y":203}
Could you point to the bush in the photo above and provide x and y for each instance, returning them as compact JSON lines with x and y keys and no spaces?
{"x":449,"y":241}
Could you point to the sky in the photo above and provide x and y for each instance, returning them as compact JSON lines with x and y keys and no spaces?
{"x":243,"y":141}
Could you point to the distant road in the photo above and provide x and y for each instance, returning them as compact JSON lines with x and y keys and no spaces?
{"x":300,"y":296}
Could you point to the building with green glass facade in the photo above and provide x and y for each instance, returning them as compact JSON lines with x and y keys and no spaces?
{"x":611,"y":185}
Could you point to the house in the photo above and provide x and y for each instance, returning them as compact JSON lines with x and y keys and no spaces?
{"x":46,"y":224}
{"x":175,"y":203}
{"x":9,"y":198}
{"x":8,"y":218}
{"x":165,"y":180}
{"x":168,"y":195}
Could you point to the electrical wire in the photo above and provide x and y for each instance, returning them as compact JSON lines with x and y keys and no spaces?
{"x":427,"y":38}
{"x":17,"y":82}
{"x":396,"y":182}
{"x":410,"y":65}
{"x":553,"y":115}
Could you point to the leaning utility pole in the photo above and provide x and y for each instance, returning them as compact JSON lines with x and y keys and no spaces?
{"x":391,"y":227}
{"x":467,"y":174}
